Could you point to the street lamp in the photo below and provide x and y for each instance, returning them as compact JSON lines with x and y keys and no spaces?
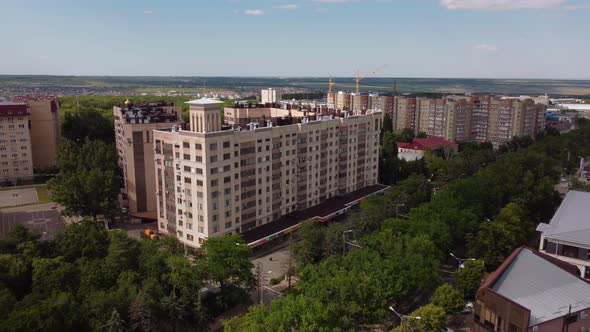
{"x":461,"y":261}
{"x":397,"y":206}
{"x":403,"y":317}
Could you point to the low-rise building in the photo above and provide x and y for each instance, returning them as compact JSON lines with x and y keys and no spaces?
{"x":134,"y":125}
{"x":567,"y":236}
{"x":533,"y":292}
{"x":418,"y":147}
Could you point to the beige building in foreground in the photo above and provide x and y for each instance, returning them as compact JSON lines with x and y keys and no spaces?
{"x":16,"y":159}
{"x":134,"y":125}
{"x":45,"y":129}
{"x":216,"y":179}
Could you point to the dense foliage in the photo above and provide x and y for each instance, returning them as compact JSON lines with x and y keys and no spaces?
{"x":88,"y":181}
{"x":91,"y":279}
{"x":494,"y":199}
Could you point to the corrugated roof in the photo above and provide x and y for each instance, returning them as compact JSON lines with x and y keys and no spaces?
{"x":571,"y":222}
{"x":542,"y":287}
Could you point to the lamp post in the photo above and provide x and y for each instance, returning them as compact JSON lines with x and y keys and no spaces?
{"x":403,"y":317}
{"x":461,"y":261}
{"x":397,"y":206}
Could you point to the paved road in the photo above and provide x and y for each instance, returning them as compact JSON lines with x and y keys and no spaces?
{"x":40,"y":218}
{"x":273,"y":265}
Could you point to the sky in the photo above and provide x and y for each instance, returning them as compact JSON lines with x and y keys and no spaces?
{"x":318,"y":38}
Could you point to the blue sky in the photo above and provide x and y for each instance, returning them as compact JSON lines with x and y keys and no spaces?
{"x":413,"y":38}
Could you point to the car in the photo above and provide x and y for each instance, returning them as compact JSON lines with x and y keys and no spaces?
{"x":563,"y":179}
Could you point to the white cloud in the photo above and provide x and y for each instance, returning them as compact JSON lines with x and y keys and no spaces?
{"x":148,"y":12}
{"x":500,"y":4}
{"x":254,"y":12}
{"x":486,"y":47}
{"x":43,"y":57}
{"x":320,"y":10}
{"x":289,"y":6}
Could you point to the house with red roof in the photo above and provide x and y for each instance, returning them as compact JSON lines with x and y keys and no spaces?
{"x":418,"y":147}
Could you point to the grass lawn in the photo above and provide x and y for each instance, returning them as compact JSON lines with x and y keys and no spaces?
{"x":43,"y":194}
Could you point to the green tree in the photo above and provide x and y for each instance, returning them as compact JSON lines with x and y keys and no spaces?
{"x":115,"y":323}
{"x":85,"y":239}
{"x":387,"y":124}
{"x":407,"y":135}
{"x":88,"y":181}
{"x":496,"y":240}
{"x":449,"y":299}
{"x":309,"y":249}
{"x":469,"y":278}
{"x":432,"y":319}
{"x":226,"y":261}
{"x":89,"y":124}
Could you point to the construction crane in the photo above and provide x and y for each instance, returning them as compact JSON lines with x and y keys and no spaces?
{"x":359,"y":77}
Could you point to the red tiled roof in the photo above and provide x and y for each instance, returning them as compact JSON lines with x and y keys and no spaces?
{"x":15,"y":109}
{"x":430,"y":143}
{"x":433,"y":142}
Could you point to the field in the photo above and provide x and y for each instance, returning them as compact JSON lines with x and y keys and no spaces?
{"x":121,"y":85}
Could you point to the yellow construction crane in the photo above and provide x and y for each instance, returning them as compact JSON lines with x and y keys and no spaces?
{"x":359,"y":77}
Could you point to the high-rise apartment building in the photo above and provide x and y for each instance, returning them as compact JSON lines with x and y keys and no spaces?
{"x":469,"y":118}
{"x":216,"y":179}
{"x":16,"y":158}
{"x":45,"y":129}
{"x":134,"y":125}
{"x":270,"y":96}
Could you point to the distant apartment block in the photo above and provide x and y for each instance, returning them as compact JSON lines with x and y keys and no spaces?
{"x":262,"y":164}
{"x":469,"y":118}
{"x":134,"y":126}
{"x":567,"y":236}
{"x":45,"y":129}
{"x":269,"y":96}
{"x":533,"y":292}
{"x":16,"y":158}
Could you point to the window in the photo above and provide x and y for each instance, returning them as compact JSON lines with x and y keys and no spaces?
{"x":187,"y":180}
{"x":187,"y":169}
{"x":213,"y":159}
{"x":198,"y":146}
{"x":226,"y":156}
{"x":226,"y":144}
{"x":190,"y":237}
{"x":213,"y":146}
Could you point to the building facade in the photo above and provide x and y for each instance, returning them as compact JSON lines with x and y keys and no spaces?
{"x":269,"y":96}
{"x":134,"y":125}
{"x":16,"y":157}
{"x":532,"y":292}
{"x":45,"y":129}
{"x":469,"y":118}
{"x":567,"y":236}
{"x":216,"y":179}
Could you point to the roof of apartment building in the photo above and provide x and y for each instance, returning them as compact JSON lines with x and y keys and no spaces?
{"x":540,"y":283}
{"x":570,"y":223}
{"x":12,"y":109}
{"x":33,"y":97}
{"x":430,"y":143}
{"x":148,"y":112}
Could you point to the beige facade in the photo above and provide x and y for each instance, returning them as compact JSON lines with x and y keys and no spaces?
{"x":134,"y":126}
{"x":270,"y":95}
{"x":212,"y":182}
{"x":469,"y":118}
{"x":45,"y":132}
{"x":16,"y":158}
